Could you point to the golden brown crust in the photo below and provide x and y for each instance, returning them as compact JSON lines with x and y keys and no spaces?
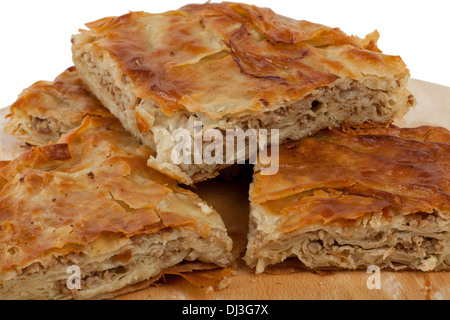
{"x":340,"y":177}
{"x":421,"y":134}
{"x":93,"y":183}
{"x":226,"y":58}
{"x":64,"y":101}
{"x":66,"y":95}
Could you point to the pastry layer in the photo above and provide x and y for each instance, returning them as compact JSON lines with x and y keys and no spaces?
{"x":48,"y":109}
{"x":91,"y":201}
{"x":234,"y":66}
{"x":353,"y":198}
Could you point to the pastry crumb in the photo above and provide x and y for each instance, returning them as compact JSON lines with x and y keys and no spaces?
{"x":225,"y":282}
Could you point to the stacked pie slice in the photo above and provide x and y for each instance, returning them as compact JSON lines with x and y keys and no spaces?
{"x":96,"y":200}
{"x":48,"y":109}
{"x":234,"y":66}
{"x":355,"y":198}
{"x":91,"y":202}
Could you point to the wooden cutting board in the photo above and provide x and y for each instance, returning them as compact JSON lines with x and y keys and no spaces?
{"x":229,"y":198}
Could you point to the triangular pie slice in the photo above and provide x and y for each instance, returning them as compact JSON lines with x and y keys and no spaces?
{"x":355,"y":198}
{"x":90,"y":202}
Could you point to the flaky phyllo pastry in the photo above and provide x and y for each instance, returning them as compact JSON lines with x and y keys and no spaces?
{"x":90,"y":202}
{"x":234,"y":66}
{"x":47,"y":109}
{"x":354,"y":199}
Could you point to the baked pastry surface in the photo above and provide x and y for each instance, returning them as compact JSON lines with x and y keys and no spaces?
{"x":47,"y":109}
{"x":234,"y":66}
{"x":354,"y":198}
{"x":91,"y":201}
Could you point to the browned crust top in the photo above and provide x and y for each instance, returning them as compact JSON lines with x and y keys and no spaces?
{"x":224,"y":58}
{"x":65,"y":99}
{"x":93,"y":183}
{"x":342,"y":176}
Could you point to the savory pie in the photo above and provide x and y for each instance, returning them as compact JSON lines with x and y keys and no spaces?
{"x":46,"y":110}
{"x":354,"y":198}
{"x":234,"y":66}
{"x":91,"y":202}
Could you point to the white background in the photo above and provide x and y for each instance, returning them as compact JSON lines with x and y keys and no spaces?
{"x":35,"y":35}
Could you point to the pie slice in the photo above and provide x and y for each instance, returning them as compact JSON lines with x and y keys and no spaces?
{"x":234,"y":66}
{"x":90,"y":203}
{"x":354,"y":198}
{"x":46,"y":110}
